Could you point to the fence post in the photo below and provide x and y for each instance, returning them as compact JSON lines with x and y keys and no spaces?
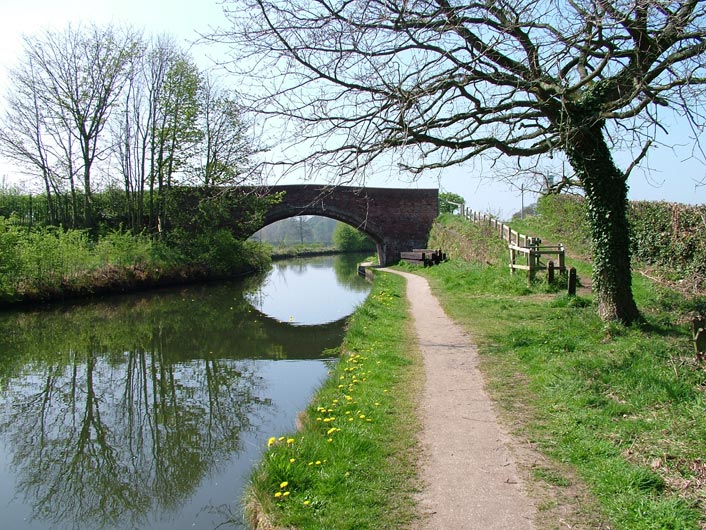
{"x":512,"y":261}
{"x":572,"y":281}
{"x":698,"y":331}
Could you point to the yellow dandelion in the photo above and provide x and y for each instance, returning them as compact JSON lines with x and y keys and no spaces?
{"x":278,"y":494}
{"x":271,"y":441}
{"x":285,"y":494}
{"x":283,"y":485}
{"x":292,"y":460}
{"x":290,"y":440}
{"x":307,"y":503}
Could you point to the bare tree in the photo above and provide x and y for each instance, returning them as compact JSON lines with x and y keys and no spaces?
{"x":72,"y":79}
{"x":501,"y":78}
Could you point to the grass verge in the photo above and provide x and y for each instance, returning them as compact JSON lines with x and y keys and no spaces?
{"x":618,"y":409}
{"x":351,"y":465}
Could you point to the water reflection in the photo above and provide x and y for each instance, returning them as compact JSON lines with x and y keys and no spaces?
{"x":311,"y":291}
{"x":127,"y":413}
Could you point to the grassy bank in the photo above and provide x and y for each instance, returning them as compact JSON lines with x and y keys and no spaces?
{"x":50,"y":263}
{"x":351,"y":464}
{"x":618,"y":412}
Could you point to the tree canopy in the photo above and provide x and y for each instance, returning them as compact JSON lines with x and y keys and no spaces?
{"x":440,"y":82}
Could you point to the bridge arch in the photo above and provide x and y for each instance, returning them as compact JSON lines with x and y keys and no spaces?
{"x":396,"y":219}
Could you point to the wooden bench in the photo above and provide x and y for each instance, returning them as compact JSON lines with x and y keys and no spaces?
{"x":423,"y":256}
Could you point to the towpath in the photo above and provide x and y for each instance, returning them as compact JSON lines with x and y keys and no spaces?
{"x":470,"y":479}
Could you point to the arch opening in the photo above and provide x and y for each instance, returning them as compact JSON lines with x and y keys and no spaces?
{"x":326,"y":232}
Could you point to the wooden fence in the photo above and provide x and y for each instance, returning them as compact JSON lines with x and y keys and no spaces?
{"x":526,"y":252}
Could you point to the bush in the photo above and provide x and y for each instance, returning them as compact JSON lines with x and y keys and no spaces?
{"x":670,"y":236}
{"x":348,"y":239}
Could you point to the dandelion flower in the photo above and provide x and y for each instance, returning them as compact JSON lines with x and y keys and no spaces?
{"x":285,"y":494}
{"x":284,"y":485}
{"x":278,"y":494}
{"x":271,"y":441}
{"x":290,"y":440}
{"x":292,"y":460}
{"x":307,"y":503}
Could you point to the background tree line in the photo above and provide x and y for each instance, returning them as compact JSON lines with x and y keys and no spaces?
{"x":109,"y":122}
{"x":302,"y":230}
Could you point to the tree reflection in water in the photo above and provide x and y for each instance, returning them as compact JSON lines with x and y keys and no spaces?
{"x":115,"y":413}
{"x":97,"y":442}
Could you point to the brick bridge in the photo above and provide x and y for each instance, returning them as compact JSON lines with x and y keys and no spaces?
{"x":396,"y":219}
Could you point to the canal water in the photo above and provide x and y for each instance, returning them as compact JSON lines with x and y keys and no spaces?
{"x":148,"y":411}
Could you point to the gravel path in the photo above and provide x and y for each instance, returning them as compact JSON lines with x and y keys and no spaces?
{"x":470,"y":477}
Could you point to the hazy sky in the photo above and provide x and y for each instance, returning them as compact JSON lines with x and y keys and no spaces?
{"x":673,"y":176}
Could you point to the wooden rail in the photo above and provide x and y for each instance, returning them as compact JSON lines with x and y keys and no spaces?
{"x":529,"y":249}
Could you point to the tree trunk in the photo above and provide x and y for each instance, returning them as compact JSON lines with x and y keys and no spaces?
{"x":606,"y":197}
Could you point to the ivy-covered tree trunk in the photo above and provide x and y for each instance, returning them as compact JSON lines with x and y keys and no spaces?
{"x":606,"y":198}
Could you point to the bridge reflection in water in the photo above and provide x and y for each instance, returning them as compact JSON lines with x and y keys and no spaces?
{"x":146,"y":410}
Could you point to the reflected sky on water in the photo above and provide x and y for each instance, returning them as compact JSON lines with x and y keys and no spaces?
{"x":149,"y":410}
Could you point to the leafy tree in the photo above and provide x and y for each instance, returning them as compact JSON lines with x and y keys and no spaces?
{"x":449,"y":202}
{"x":225,"y":150}
{"x":501,"y":78}
{"x":349,"y":239}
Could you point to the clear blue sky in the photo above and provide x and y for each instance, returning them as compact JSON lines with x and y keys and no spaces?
{"x":673,"y":177}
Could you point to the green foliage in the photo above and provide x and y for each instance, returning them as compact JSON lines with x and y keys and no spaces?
{"x":559,"y":218}
{"x":219,"y":252}
{"x":465,"y":240}
{"x":665,"y":236}
{"x":46,"y":262}
{"x":445,"y":202}
{"x":670,"y":236}
{"x":196,"y":210}
{"x":348,"y":239}
{"x":312,"y":230}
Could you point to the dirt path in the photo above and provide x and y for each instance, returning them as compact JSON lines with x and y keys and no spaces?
{"x":470,"y":477}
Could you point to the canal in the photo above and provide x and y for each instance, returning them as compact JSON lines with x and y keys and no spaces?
{"x":148,"y":411}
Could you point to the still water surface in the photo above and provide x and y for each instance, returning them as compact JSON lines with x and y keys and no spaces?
{"x":148,"y":411}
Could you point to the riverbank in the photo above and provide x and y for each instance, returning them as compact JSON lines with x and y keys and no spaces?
{"x":52,"y":265}
{"x":47,"y":263}
{"x":352,"y":464}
